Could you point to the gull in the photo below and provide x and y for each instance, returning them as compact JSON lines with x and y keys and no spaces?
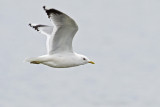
{"x":59,"y":42}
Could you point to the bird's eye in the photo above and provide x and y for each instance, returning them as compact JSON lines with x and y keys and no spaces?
{"x":84,"y":58}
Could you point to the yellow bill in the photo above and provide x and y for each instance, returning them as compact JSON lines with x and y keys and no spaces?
{"x":91,"y":62}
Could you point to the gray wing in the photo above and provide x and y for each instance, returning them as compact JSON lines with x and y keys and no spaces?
{"x":64,"y":30}
{"x":44,"y":29}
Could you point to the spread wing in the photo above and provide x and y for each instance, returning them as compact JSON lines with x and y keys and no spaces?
{"x":64,"y":30}
{"x":44,"y":29}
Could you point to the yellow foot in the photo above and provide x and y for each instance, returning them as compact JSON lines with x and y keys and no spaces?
{"x":35,"y":62}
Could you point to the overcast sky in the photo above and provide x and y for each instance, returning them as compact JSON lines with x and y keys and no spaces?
{"x":121,"y":36}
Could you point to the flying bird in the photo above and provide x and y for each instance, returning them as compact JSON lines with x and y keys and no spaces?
{"x":59,"y":42}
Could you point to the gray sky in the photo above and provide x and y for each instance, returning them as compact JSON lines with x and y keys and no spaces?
{"x":120,"y":36}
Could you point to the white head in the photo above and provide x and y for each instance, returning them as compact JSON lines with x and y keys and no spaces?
{"x":84,"y":60}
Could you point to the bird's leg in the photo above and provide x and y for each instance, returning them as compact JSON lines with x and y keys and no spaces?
{"x":35,"y":62}
{"x":39,"y":60}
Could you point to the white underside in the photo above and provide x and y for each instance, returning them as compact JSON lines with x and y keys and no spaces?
{"x":59,"y":42}
{"x":63,"y":60}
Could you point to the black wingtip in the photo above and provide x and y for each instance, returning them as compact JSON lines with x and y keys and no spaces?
{"x":44,"y":7}
{"x":35,"y":27}
{"x":50,"y":11}
{"x":30,"y":25}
